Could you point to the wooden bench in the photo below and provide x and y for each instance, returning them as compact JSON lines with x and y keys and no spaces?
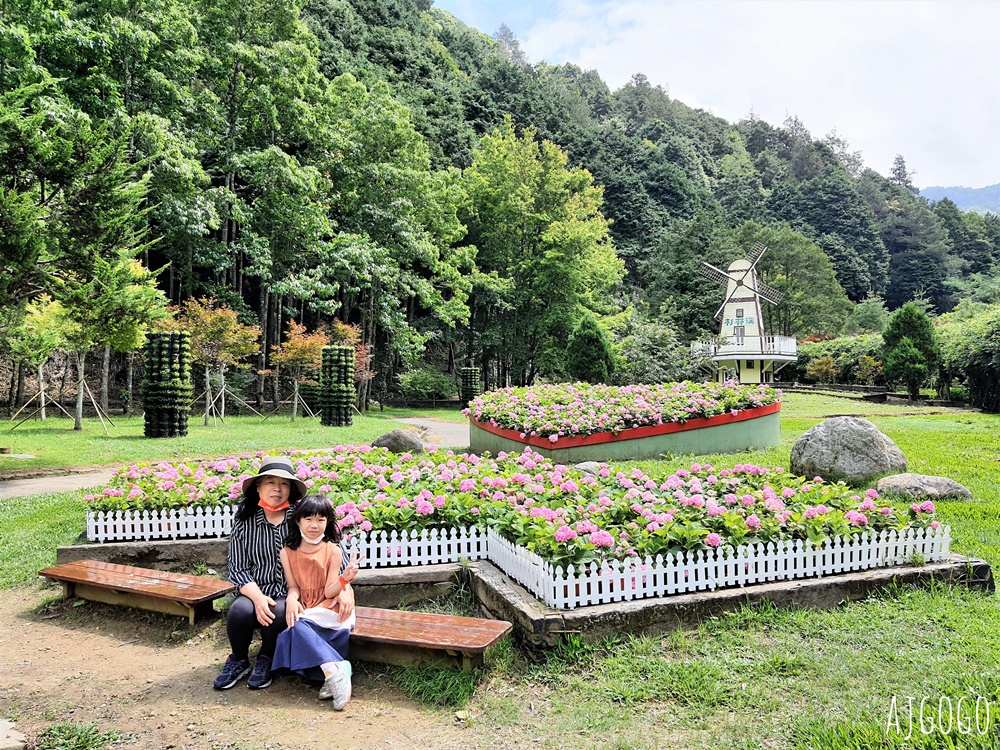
{"x":387,"y":636}
{"x":142,"y":588}
{"x":391,"y":636}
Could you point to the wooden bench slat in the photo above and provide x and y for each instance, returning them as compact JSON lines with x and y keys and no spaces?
{"x":190,"y":590}
{"x":468,"y":635}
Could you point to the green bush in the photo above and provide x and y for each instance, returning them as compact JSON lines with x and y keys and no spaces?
{"x":852,"y":356}
{"x":959,"y":393}
{"x":423,"y":383}
{"x":588,"y":355}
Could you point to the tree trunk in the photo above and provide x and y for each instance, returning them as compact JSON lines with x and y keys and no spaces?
{"x":262,"y":356}
{"x":295,"y":399}
{"x":276,"y":374}
{"x":222,"y":392}
{"x":81,"y":361}
{"x":41,"y":388}
{"x":208,"y":394}
{"x":12,"y":391}
{"x":127,"y":407}
{"x":19,"y":399}
{"x":105,"y":376}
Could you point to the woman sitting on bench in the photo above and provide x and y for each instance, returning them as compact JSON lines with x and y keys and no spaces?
{"x":255,"y":544}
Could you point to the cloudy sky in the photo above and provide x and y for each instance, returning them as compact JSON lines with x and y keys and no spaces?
{"x":919,"y":78}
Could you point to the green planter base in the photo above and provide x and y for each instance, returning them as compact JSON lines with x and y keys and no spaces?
{"x":753,"y":429}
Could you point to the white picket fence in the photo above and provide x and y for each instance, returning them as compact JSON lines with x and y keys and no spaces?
{"x":382,"y":549}
{"x":143,"y":525}
{"x":574,"y":586}
{"x":707,"y":570}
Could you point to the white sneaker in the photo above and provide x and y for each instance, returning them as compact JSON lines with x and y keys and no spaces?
{"x":328,"y":688}
{"x":342,"y":686}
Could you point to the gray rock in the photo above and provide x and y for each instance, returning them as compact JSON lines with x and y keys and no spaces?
{"x":10,"y":738}
{"x":846,"y":448}
{"x":591,"y":467}
{"x":924,"y":486}
{"x":399,"y":441}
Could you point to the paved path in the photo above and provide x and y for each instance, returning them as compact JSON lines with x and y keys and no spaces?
{"x":441,"y":434}
{"x":434,"y":432}
{"x":60,"y":483}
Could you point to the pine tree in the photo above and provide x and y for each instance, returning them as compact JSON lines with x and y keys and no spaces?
{"x":589,"y":356}
{"x":911,"y":348}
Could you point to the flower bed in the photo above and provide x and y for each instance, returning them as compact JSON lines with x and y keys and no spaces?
{"x":575,"y":409}
{"x":401,"y":508}
{"x":578,"y":422}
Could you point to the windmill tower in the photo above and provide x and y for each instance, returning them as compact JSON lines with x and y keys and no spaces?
{"x":746,"y":353}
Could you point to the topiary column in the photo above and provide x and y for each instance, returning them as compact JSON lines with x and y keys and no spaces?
{"x":471,"y":386}
{"x":336,"y":386}
{"x":166,"y":385}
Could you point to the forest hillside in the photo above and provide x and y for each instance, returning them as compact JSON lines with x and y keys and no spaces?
{"x":379,"y":164}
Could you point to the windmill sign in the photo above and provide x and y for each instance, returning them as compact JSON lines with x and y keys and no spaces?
{"x":746,"y":353}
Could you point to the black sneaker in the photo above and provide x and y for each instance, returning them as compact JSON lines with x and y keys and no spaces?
{"x":261,"y":676}
{"x":232,"y":672}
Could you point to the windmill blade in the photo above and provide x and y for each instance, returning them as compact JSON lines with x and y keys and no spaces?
{"x":768,"y":292}
{"x":718,"y":313}
{"x":714,"y":274}
{"x":755,"y":253}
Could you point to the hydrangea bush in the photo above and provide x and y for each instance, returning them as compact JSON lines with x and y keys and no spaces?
{"x":562,"y":514}
{"x":569,"y":409}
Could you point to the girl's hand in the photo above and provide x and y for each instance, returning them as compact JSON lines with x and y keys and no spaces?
{"x":293,"y":611}
{"x":353,"y":566}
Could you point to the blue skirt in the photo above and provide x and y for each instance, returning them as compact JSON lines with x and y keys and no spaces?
{"x":306,"y":645}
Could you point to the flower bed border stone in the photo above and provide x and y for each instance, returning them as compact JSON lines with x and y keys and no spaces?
{"x":759,"y":427}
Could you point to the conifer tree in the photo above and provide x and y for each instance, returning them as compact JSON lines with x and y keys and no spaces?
{"x":911,"y":348}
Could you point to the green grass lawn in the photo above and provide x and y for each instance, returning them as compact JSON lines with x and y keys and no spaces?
{"x":758,"y":679}
{"x":55,"y":444}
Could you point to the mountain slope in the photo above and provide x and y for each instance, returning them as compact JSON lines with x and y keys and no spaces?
{"x":979,"y":200}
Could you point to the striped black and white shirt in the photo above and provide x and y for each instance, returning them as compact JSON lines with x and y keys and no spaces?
{"x":254,"y":549}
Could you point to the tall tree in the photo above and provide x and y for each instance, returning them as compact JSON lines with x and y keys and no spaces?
{"x":813,"y":300}
{"x":544,"y":254}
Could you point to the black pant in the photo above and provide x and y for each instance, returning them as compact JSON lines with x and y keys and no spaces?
{"x":241,"y":622}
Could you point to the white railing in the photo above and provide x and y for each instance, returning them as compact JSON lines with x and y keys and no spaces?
{"x":573,"y":586}
{"x":383,"y":549}
{"x":143,"y":525}
{"x":704,"y":570}
{"x":738,"y":347}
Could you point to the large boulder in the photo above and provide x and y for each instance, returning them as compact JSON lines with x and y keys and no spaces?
{"x":400,"y":441}
{"x":846,"y":448}
{"x":923,"y":486}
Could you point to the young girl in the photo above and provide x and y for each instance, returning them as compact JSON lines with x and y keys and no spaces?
{"x":317,"y":636}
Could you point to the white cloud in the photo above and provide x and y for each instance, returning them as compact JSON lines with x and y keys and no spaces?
{"x":920,"y":78}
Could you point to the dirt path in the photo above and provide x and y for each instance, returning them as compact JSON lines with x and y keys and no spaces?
{"x":150,"y":677}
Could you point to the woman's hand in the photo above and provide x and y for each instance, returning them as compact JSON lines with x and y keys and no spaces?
{"x":345,"y":603}
{"x":263,"y":607}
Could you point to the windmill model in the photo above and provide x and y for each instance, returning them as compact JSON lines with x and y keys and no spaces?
{"x":747,"y":354}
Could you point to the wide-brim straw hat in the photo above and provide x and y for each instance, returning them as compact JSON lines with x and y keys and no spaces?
{"x":275,"y":466}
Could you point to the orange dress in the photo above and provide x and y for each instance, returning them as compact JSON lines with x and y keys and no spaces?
{"x":307,"y":645}
{"x":310,"y":571}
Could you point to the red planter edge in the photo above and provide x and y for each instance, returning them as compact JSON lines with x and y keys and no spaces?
{"x":638,"y":432}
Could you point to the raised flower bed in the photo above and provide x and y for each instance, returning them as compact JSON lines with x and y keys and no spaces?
{"x":576,"y":422}
{"x":570,"y":537}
